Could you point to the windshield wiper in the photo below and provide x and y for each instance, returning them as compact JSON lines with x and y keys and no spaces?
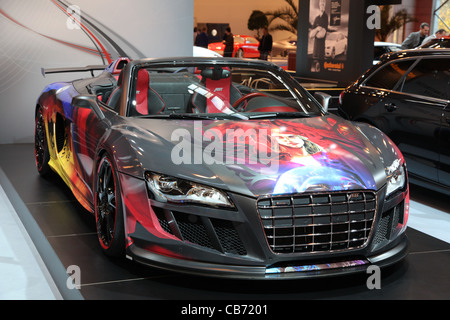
{"x":280,"y":115}
{"x":211,"y":116}
{"x":231,"y":116}
{"x":189,"y":116}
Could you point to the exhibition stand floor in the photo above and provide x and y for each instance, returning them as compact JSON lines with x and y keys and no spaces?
{"x":41,"y":220}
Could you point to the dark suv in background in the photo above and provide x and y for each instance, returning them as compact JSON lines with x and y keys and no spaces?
{"x":407,"y":96}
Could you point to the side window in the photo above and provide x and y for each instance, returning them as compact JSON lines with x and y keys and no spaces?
{"x":388,"y":76}
{"x":251,"y":40}
{"x":430,"y":77}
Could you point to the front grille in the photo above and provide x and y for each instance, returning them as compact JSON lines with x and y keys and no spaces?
{"x":317,"y":222}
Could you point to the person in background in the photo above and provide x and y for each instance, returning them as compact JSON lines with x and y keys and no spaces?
{"x":195,"y":34}
{"x":438,"y":34}
{"x":415,"y":39}
{"x":265,"y":44}
{"x":202,"y":39}
{"x":228,"y":40}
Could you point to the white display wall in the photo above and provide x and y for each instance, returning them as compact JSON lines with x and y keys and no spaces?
{"x":39,"y":34}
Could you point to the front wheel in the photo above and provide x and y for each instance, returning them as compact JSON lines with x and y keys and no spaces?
{"x":108,"y":209}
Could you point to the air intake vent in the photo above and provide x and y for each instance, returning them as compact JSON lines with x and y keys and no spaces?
{"x":217,"y":234}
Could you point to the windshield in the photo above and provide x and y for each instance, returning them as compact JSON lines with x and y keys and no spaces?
{"x":220,"y":91}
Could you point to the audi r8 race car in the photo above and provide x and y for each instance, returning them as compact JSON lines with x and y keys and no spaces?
{"x":223,"y":167}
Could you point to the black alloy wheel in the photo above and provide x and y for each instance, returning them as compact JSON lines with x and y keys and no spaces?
{"x":42,"y":155}
{"x":108,"y":210}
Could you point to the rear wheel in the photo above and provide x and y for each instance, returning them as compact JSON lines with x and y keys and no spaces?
{"x":41,"y":152}
{"x":108,"y":210}
{"x":240,"y":53}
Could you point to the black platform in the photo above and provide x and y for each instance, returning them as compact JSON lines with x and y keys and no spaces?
{"x":70,"y":230}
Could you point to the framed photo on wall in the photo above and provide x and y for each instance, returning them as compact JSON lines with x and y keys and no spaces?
{"x":328,"y":35}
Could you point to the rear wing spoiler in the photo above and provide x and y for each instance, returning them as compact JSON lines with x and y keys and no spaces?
{"x":91,"y":69}
{"x":114,"y":67}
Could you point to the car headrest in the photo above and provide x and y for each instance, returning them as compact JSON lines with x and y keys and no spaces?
{"x":216,"y":73}
{"x":142,"y":79}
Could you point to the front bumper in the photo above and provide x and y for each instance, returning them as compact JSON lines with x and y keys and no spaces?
{"x":294,"y":271}
{"x":233,"y":243}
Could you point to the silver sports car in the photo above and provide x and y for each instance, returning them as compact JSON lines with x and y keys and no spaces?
{"x":223,"y":167}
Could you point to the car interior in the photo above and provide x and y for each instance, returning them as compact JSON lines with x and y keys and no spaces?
{"x":191,"y":90}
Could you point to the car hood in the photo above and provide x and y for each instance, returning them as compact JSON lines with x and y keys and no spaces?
{"x":259,"y":157}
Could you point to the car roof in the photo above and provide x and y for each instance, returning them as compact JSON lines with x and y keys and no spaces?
{"x":410,"y":53}
{"x":434,"y":41}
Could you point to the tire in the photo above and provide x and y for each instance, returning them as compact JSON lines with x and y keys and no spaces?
{"x":240,"y":53}
{"x":108,"y":210}
{"x":41,"y":153}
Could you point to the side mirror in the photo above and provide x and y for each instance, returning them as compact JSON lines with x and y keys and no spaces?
{"x":324,"y":99}
{"x":88,"y":101}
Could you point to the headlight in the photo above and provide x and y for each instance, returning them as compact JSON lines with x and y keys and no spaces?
{"x":396,"y":177}
{"x":171,"y":189}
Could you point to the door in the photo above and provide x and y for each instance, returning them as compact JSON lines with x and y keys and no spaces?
{"x":251,"y":48}
{"x":367,"y":102}
{"x":416,"y":116}
{"x":444,"y":138}
{"x":87,"y":131}
{"x":414,"y":123}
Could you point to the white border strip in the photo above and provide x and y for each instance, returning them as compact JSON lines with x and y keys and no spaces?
{"x":431,"y":221}
{"x":44,"y":256}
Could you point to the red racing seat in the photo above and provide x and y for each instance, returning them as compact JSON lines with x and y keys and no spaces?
{"x":220,"y":93}
{"x":148,"y":101}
